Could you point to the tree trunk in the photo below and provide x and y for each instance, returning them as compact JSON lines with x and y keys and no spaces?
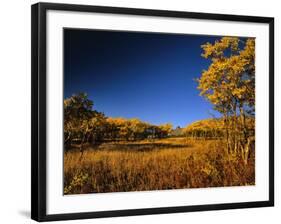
{"x":225,"y":121}
{"x":246,"y":141}
{"x":235,"y":131}
{"x":82,"y":143}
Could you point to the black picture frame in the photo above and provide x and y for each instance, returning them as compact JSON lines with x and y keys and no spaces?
{"x":39,"y":123}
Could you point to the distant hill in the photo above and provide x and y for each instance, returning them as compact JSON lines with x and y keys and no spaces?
{"x":177,"y":132}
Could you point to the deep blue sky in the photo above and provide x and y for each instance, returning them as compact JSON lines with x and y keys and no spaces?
{"x":149,"y":76}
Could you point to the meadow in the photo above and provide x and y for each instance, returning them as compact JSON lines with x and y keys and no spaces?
{"x":159,"y":164}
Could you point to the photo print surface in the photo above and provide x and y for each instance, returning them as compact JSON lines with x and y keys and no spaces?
{"x":157,"y":111}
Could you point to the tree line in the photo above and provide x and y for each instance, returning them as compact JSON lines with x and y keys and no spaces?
{"x":83,"y":124}
{"x":212,"y":128}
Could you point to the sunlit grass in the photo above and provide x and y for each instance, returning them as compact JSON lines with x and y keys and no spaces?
{"x":154,"y":165}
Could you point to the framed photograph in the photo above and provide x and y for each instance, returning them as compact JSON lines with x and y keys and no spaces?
{"x":139,"y":111}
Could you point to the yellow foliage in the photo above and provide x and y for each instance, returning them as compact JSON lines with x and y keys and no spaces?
{"x":229,"y":79}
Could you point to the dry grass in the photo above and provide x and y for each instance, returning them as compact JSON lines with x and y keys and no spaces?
{"x":154,"y":165}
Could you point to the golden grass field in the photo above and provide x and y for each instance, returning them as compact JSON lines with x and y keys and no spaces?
{"x":171,"y":163}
